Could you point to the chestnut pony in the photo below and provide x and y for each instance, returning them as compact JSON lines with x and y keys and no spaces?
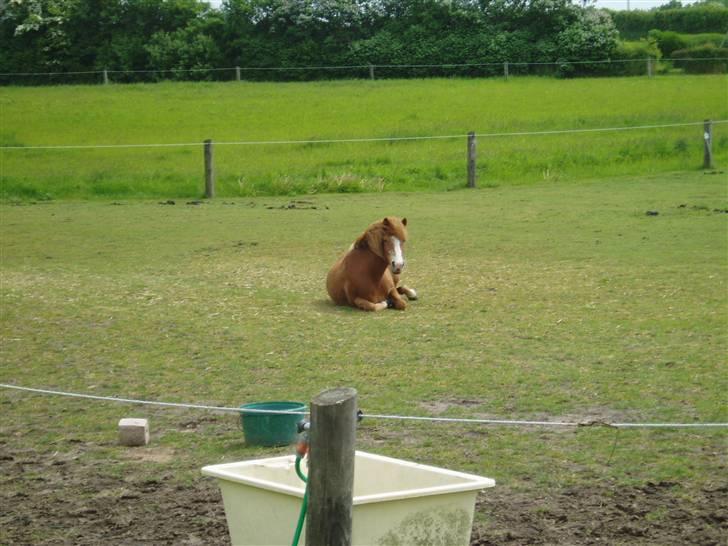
{"x":367,"y":276}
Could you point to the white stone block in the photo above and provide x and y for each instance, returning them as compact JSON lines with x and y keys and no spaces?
{"x":133,"y":432}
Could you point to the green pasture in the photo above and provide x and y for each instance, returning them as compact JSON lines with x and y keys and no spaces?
{"x":232,"y":112}
{"x":558,"y":301}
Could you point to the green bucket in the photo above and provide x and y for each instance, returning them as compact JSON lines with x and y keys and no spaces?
{"x":271,"y":429}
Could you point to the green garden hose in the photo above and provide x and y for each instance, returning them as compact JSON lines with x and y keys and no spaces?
{"x":304,"y":504}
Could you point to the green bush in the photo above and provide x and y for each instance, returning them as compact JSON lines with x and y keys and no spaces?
{"x":668,"y":41}
{"x":705,"y":59}
{"x":592,"y":37}
{"x":715,"y":38}
{"x":693,"y":19}
{"x":634,"y":55}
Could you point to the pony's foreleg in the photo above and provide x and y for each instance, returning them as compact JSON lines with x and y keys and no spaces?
{"x":367,"y":305}
{"x":360,"y":302}
{"x":404,"y":290}
{"x":407,"y":291}
{"x":396,"y":299}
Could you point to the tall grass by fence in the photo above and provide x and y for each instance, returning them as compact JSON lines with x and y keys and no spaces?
{"x":470,"y":169}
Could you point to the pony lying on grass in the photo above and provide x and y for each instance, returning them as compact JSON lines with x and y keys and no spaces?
{"x":367,"y":276}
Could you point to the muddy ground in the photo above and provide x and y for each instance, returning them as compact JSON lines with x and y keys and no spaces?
{"x":69,"y":498}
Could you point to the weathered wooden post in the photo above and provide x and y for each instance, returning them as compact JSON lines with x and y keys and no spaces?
{"x":471,"y":159}
{"x":708,"y":144}
{"x":237,"y":73}
{"x":209,"y":171}
{"x":505,"y":70}
{"x":371,"y":71}
{"x":331,"y":467}
{"x":649,"y":67}
{"x":106,"y":77}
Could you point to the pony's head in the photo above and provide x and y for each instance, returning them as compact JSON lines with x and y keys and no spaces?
{"x":386,"y":239}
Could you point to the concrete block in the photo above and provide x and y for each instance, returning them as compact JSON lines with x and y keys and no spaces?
{"x":133,"y":432}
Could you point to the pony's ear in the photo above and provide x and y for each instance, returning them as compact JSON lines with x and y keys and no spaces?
{"x":404,"y":221}
{"x":385,"y":221}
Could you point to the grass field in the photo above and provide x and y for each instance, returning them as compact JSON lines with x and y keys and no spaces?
{"x":558,"y":301}
{"x":192,"y":112}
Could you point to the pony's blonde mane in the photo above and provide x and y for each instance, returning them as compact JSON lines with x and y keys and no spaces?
{"x":373,"y":237}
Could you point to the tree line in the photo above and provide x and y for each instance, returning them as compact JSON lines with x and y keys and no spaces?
{"x":706,"y":17}
{"x":187,"y":39}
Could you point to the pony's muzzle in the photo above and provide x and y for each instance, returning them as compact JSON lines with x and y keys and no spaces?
{"x":396,"y":257}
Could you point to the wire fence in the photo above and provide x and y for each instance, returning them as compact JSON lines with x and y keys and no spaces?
{"x":370,"y":163}
{"x":453,"y":420}
{"x":363,"y":139}
{"x":648,"y":66}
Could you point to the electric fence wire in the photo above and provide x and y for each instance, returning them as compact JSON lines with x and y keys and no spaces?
{"x":363,"y":140}
{"x":505,"y":422}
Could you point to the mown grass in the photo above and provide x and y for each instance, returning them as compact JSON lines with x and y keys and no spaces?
{"x":552,"y":301}
{"x":225,"y":112}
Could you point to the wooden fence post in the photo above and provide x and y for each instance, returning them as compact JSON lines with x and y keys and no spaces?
{"x":471,"y":160}
{"x":505,"y":69}
{"x":209,"y":171}
{"x":371,"y":71}
{"x":649,"y":67}
{"x":106,"y":77}
{"x":708,"y":144}
{"x":331,"y":467}
{"x":237,"y":73}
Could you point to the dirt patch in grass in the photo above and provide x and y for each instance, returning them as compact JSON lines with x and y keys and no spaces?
{"x":438,"y":407}
{"x":655,"y":513}
{"x":72,"y":499}
{"x":153,"y":455}
{"x":69,"y":498}
{"x":593,"y":416}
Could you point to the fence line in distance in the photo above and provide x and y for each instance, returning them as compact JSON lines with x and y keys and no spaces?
{"x":650,"y":61}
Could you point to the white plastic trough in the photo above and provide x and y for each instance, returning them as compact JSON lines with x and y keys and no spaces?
{"x":396,"y":502}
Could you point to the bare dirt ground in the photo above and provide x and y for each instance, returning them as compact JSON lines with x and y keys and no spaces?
{"x":656,"y":514}
{"x":66,"y":498}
